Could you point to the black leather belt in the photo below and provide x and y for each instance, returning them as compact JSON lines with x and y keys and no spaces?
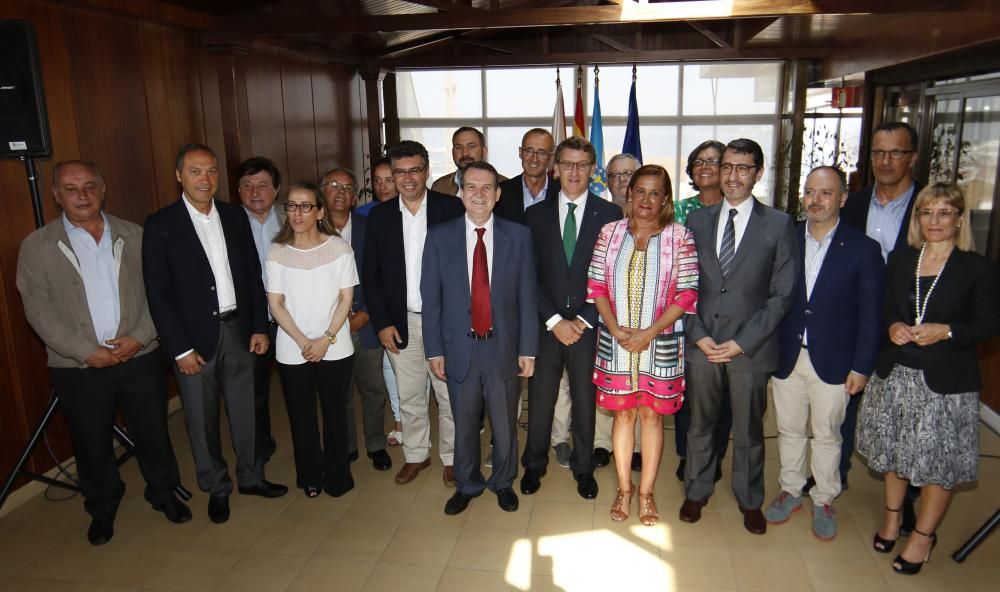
{"x":482,"y":336}
{"x":226,"y":316}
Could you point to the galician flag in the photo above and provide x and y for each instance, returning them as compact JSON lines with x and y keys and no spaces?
{"x":598,"y":182}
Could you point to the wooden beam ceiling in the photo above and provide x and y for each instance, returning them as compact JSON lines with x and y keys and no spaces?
{"x":628,"y":12}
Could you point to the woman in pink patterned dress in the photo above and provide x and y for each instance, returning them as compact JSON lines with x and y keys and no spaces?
{"x":643,"y":280}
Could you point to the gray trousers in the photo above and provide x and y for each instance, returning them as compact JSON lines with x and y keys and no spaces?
{"x":229,"y":373}
{"x":371,"y":387}
{"x":707,"y":384}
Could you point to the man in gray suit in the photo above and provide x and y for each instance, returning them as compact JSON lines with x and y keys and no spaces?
{"x":746,"y":252}
{"x":481,"y":340}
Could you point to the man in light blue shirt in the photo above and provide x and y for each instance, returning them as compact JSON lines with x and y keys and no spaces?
{"x":81,"y":282}
{"x":258,"y":183}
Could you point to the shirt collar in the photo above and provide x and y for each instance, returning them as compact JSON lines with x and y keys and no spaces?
{"x":903,"y":198}
{"x":421,"y":210}
{"x":69,"y":227}
{"x":470,"y":226}
{"x":193,"y":211}
{"x":272,"y":215}
{"x":743,"y":210}
{"x":525,"y":190}
{"x":580,"y":202}
{"x":826,"y":237}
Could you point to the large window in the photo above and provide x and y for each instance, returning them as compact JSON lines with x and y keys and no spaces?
{"x":680,"y":106}
{"x":831,"y":135}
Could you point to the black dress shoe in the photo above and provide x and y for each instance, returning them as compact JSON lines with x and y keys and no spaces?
{"x":531,"y":481}
{"x":586,"y":485}
{"x":218,"y":508}
{"x":680,"y":469}
{"x":380,"y":460}
{"x":101,"y":530}
{"x":507,"y":500}
{"x":265,"y":489}
{"x":174,"y":509}
{"x":602,"y":457}
{"x":353,"y":456}
{"x":636,"y":461}
{"x":457,"y":503}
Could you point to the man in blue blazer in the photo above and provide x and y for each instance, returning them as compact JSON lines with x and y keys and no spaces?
{"x":339,"y":186}
{"x":827,"y":347}
{"x":206,"y":297}
{"x":481,"y":330}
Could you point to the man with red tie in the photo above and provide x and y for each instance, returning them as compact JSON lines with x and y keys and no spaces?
{"x":482,"y":339}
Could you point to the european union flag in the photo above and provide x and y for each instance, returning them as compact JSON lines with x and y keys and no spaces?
{"x":598,"y":182}
{"x":632,"y":143}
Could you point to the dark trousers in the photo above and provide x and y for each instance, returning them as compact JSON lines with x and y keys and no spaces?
{"x":709,"y":384}
{"x":89,"y":398}
{"x":370,"y":385}
{"x":720,"y":436}
{"x":847,"y":432}
{"x":578,"y":360}
{"x":484,"y":391}
{"x":264,"y":443}
{"x":229,"y":372}
{"x":316,"y":465}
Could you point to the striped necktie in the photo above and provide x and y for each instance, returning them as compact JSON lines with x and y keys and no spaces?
{"x":727,"y":251}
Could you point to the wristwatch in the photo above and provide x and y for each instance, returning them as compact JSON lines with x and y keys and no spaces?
{"x":330,"y":336}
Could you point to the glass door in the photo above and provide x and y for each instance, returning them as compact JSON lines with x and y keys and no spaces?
{"x":965,"y":148}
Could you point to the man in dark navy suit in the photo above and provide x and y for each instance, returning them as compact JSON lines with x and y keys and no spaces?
{"x":481,"y":331}
{"x":827,"y":348}
{"x":206,"y":297}
{"x":339,"y":187}
{"x":533,"y":185}
{"x":564,"y":229}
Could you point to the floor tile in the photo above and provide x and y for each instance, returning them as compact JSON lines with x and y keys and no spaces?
{"x":364,"y":541}
{"x":321,"y":574}
{"x":262,"y":572}
{"x":294,"y":536}
{"x":394,"y":577}
{"x":195,"y":569}
{"x":420,"y":545}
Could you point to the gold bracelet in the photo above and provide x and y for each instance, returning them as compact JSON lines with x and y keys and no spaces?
{"x":330,"y":336}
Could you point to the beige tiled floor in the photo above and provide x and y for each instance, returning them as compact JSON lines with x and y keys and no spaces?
{"x":396,"y":538}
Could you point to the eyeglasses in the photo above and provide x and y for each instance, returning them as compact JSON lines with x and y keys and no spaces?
{"x":570,"y":166}
{"x":893,"y":154}
{"x":622,"y":175}
{"x":305,"y":207}
{"x":408,"y":172}
{"x":742,"y":170}
{"x":335,"y":186}
{"x":532,"y":153}
{"x":938,"y":214}
{"x":705,"y":163}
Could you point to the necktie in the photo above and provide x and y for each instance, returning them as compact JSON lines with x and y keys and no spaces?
{"x":728,"y":249}
{"x":569,"y":233}
{"x":481,"y":314}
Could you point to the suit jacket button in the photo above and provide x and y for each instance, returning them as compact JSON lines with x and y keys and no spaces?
{"x":808,"y":312}
{"x":799,"y":336}
{"x":212,"y":288}
{"x":723,"y":290}
{"x":215,"y":313}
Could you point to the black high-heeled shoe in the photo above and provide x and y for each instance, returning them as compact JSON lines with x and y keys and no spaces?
{"x":902,"y":566}
{"x":885,"y":545}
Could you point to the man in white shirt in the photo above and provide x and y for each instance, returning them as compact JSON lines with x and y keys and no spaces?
{"x":258,"y":182}
{"x":390,"y":278}
{"x":206,"y":297}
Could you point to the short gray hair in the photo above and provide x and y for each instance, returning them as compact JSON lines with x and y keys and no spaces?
{"x":622,"y":156}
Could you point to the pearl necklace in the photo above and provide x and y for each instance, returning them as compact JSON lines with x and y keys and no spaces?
{"x":918,"y":310}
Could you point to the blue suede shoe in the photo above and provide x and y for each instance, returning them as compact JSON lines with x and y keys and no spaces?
{"x":824,"y":522}
{"x":782,"y":507}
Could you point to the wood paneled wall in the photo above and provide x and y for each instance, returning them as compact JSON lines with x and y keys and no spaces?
{"x":126,"y":93}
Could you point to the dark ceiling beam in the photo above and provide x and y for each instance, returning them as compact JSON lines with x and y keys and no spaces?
{"x":444,"y":5}
{"x":689,"y":10}
{"x":151,"y":11}
{"x":603,"y":39}
{"x":744,"y":30}
{"x":488,"y":46}
{"x":709,"y":34}
{"x":609,"y":57}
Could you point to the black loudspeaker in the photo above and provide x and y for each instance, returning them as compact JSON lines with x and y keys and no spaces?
{"x":24,"y":123}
